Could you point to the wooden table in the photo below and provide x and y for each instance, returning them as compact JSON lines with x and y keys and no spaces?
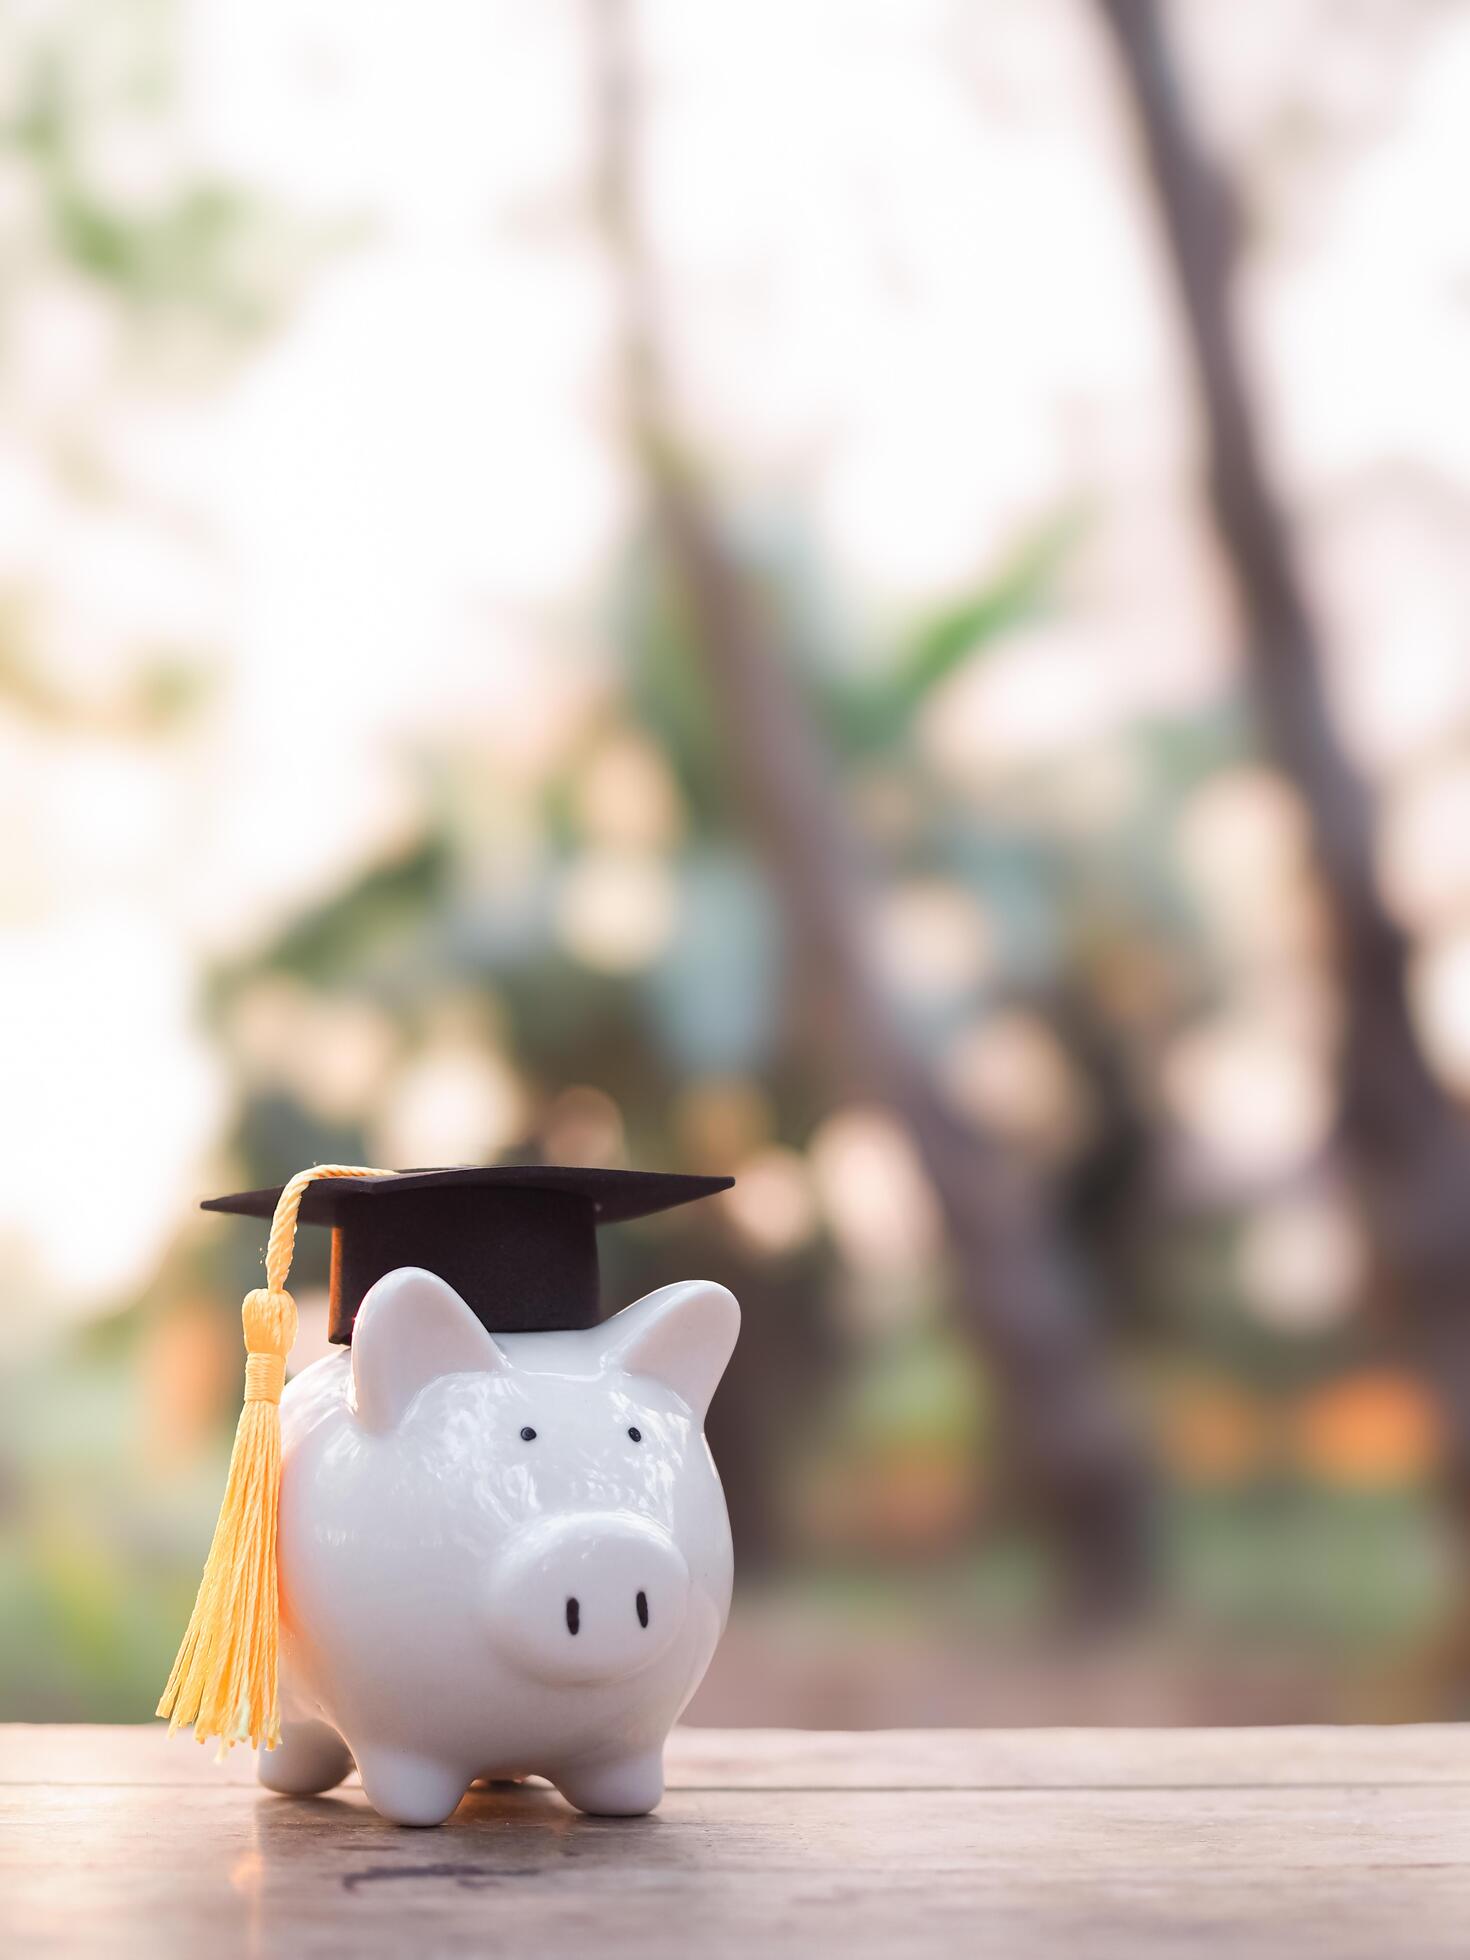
{"x":1014,"y":1843}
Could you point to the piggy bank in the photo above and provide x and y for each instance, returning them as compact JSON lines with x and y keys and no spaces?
{"x":499,"y":1555}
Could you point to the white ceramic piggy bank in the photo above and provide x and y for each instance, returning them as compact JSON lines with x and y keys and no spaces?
{"x":499,"y":1554}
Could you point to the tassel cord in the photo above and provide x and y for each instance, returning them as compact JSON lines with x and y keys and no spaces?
{"x":225,"y":1677}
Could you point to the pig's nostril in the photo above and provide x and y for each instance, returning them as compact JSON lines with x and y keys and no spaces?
{"x":574,"y":1616}
{"x":642,"y":1604}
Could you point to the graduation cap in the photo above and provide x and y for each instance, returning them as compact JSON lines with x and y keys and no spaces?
{"x":517,"y":1241}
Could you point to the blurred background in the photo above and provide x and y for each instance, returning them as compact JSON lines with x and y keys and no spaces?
{"x":868,"y":595}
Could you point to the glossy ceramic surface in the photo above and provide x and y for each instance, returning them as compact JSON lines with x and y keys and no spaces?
{"x":499,"y":1556}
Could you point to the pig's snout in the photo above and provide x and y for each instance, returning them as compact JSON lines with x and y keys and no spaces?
{"x":589,"y":1597}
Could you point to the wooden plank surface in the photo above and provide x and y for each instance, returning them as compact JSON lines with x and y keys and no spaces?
{"x":1340,"y":1842}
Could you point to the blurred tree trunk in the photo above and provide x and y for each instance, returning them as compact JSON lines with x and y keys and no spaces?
{"x":1021,"y":1294}
{"x":1401,"y":1136}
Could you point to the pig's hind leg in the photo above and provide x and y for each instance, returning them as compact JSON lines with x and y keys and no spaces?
{"x":627,"y":1786}
{"x":310,"y":1757}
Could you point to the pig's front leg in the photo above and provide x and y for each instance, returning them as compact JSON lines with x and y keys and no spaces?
{"x":310,"y":1757}
{"x":410,"y":1789}
{"x":626,"y":1786}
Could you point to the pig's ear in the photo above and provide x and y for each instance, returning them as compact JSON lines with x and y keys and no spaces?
{"x":682,"y":1336}
{"x":410,"y":1329}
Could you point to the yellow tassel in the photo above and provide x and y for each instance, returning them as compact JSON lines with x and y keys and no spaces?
{"x":224,"y":1679}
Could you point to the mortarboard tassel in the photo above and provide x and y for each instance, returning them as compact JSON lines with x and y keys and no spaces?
{"x":224,"y":1679}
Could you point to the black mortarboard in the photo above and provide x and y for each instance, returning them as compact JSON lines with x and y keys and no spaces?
{"x":518,"y":1242}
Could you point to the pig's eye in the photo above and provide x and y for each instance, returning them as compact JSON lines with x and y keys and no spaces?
{"x":636,"y":1434}
{"x":528,"y":1434}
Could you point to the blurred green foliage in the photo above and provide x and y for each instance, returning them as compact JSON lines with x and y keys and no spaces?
{"x":856,"y":1440}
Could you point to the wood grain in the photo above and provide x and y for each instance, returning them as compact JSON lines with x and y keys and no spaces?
{"x":1340,"y":1842}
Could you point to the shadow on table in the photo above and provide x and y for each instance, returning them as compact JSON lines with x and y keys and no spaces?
{"x":515,"y":1831}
